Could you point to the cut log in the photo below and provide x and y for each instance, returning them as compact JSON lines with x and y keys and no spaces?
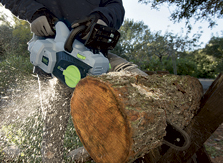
{"x":121,"y":116}
{"x":203,"y":125}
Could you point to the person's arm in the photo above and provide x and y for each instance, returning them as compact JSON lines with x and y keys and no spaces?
{"x":113,"y":11}
{"x":24,"y":9}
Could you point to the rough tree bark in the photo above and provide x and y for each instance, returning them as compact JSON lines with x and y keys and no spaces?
{"x":121,"y":116}
{"x":203,"y":125}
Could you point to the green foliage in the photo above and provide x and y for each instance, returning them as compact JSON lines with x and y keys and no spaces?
{"x":206,"y":65}
{"x":14,"y":56}
{"x":154,"y":64}
{"x":200,"y":10}
{"x":21,"y":33}
{"x":133,"y":42}
{"x":219,"y":67}
{"x":71,"y":140}
{"x":27,"y":136}
{"x":171,"y":52}
{"x":184,"y":66}
{"x":215,"y":47}
{"x":15,"y":34}
{"x":159,"y":46}
{"x":212,"y":151}
{"x":14,"y":69}
{"x":6,"y":38}
{"x":195,"y":63}
{"x":140,"y":46}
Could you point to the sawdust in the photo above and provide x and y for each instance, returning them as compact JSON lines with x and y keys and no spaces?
{"x":19,"y":103}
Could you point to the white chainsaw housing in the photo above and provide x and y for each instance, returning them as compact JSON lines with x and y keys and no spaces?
{"x":43,"y":52}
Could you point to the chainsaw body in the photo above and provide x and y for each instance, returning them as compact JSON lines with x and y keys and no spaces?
{"x":76,"y":61}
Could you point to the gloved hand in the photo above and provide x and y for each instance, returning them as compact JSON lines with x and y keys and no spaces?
{"x":82,"y":27}
{"x":43,"y":23}
{"x":88,"y":21}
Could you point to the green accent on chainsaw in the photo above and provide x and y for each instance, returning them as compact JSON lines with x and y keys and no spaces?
{"x":81,"y":56}
{"x":109,"y":66}
{"x":72,"y":76}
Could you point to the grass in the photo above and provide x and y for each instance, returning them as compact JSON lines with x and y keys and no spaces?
{"x":14,"y":69}
{"x":15,"y":73}
{"x":212,"y":151}
{"x":27,"y":136}
{"x":215,"y":143}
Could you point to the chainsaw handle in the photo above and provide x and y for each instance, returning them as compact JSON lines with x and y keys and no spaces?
{"x":69,"y":42}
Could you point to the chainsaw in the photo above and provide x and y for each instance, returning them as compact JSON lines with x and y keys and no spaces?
{"x":69,"y":59}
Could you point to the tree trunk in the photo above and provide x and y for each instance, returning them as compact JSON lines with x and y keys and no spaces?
{"x":174,"y":61}
{"x":121,"y":116}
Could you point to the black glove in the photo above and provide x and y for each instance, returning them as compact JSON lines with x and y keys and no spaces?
{"x":42,"y":23}
{"x":82,"y":27}
{"x":89,"y":21}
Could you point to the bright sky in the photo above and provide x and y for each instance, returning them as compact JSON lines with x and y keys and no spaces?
{"x":159,"y":20}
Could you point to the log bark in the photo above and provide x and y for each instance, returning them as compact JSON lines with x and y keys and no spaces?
{"x":121,"y":116}
{"x":201,"y":127}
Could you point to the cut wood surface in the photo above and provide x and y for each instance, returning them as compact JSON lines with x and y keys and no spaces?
{"x":121,"y":116}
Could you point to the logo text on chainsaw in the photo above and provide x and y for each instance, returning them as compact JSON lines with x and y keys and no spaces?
{"x":45,"y":60}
